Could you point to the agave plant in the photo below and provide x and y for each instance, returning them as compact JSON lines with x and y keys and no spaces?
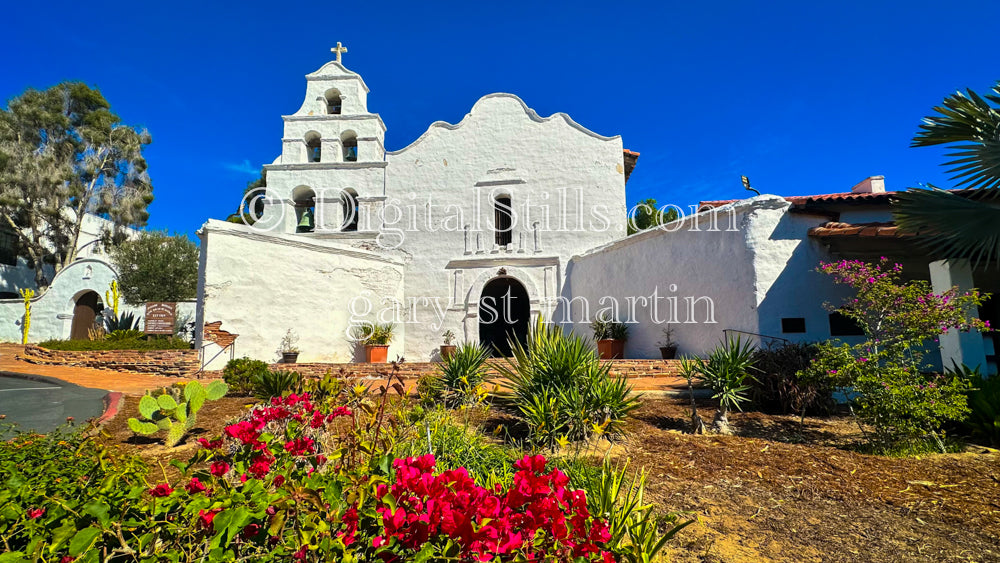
{"x":459,"y":377}
{"x":561,"y":388}
{"x":113,"y":322}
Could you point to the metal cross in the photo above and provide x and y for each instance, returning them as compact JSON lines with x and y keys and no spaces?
{"x":338,"y":49}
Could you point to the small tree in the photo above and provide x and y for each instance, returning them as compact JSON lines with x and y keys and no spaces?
{"x":64,"y":154}
{"x":156,"y":267}
{"x":897,"y":395}
{"x":647,"y":214}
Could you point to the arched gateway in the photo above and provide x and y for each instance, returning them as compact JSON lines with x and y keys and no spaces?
{"x":504,"y":314}
{"x":85,"y":312}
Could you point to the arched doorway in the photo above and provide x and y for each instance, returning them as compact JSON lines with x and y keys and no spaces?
{"x":504,"y":312}
{"x":85,"y":313}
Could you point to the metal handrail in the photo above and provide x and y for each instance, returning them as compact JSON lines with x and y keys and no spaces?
{"x":726,"y":331}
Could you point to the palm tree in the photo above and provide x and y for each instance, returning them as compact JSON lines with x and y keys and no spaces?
{"x":968,"y":225}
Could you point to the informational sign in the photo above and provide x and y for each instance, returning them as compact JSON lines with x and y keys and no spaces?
{"x":160,"y":317}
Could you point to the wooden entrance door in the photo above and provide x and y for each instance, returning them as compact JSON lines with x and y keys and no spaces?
{"x":87,"y":307}
{"x":504,"y":313}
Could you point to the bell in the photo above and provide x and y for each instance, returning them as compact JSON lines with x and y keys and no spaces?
{"x":306,"y":222}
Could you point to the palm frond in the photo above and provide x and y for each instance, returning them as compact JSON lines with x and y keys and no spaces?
{"x":973,"y":124}
{"x":950,"y":225}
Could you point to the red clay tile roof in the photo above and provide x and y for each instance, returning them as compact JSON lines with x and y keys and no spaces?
{"x":837,"y":229}
{"x":630,"y":159}
{"x":800,"y":200}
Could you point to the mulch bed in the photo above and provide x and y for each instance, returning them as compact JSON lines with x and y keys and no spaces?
{"x":776,"y":491}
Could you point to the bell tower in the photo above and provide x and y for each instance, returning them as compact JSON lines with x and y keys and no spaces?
{"x":330,"y":175}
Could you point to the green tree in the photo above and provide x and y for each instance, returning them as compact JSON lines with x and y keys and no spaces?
{"x":64,"y":154}
{"x":156,"y":267}
{"x":960,"y":226}
{"x":647,"y":214}
{"x":250,"y":207}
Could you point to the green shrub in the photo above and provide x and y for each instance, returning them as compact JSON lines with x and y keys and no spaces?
{"x":984,"y":402}
{"x":900,"y":402}
{"x":276,"y":383}
{"x":61,"y":494}
{"x":124,"y":344}
{"x":777,"y":385}
{"x":240,"y":373}
{"x":124,"y":335}
{"x":562,"y":390}
{"x":458,"y":379}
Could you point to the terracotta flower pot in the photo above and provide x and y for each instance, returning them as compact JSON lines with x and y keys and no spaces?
{"x":611,"y":349}
{"x":668,"y":352}
{"x":289,"y":357}
{"x":447,"y":351}
{"x":376,"y":354}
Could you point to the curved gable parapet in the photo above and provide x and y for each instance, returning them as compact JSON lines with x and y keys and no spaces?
{"x":333,"y":71}
{"x":499,"y":99}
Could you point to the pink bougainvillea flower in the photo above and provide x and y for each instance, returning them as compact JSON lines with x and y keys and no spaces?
{"x":161,"y":490}
{"x":210,"y":445}
{"x":195,"y":486}
{"x":35,"y":513}
{"x":218,"y":468}
{"x":206,"y":516}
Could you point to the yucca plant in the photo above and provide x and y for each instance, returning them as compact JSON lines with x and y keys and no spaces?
{"x":559,"y":385}
{"x":276,"y":383}
{"x":727,"y":371}
{"x":459,"y":378}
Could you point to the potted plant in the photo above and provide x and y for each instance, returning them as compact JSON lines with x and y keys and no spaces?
{"x":668,"y":348}
{"x":376,"y":338}
{"x":448,"y":349}
{"x":288,"y":349}
{"x":610,"y":337}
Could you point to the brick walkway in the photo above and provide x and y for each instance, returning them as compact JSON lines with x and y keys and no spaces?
{"x":137,"y":383}
{"x":125,"y":382}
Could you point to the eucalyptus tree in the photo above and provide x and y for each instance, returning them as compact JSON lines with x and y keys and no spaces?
{"x":966,"y":225}
{"x":64,"y":154}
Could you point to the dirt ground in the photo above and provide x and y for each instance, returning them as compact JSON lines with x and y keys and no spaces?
{"x":774,"y":492}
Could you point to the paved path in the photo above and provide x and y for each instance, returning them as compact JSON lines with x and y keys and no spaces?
{"x":126,"y":382}
{"x":138,"y":383}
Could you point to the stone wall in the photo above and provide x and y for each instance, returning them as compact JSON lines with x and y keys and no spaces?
{"x":414,"y":370}
{"x":170,"y":363}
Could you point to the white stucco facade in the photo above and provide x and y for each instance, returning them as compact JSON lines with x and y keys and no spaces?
{"x":426,"y":214}
{"x":411,"y":237}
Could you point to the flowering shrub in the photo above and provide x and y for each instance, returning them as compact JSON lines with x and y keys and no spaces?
{"x":895,"y":391}
{"x":292,"y":480}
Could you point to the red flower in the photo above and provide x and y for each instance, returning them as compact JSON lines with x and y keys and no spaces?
{"x":300,"y":555}
{"x":206,"y":516}
{"x":67,"y":559}
{"x":260,"y":465}
{"x":219,"y":468}
{"x":161,"y":490}
{"x":195,"y":486}
{"x":300,"y":446}
{"x":210,"y":445}
{"x":251,"y":530}
{"x":36,"y":513}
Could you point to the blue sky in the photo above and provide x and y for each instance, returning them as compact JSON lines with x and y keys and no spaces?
{"x":803,"y":97}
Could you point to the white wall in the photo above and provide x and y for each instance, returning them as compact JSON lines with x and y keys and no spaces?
{"x":260,"y":285}
{"x":500,"y":147}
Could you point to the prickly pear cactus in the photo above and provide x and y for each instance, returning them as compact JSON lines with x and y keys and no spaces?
{"x":174,"y":409}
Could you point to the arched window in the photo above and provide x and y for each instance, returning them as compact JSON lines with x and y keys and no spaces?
{"x":350,"y":202}
{"x":333,"y":102}
{"x":503,"y":220}
{"x":349,"y":140}
{"x":304,"y":199}
{"x":314,"y":148}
